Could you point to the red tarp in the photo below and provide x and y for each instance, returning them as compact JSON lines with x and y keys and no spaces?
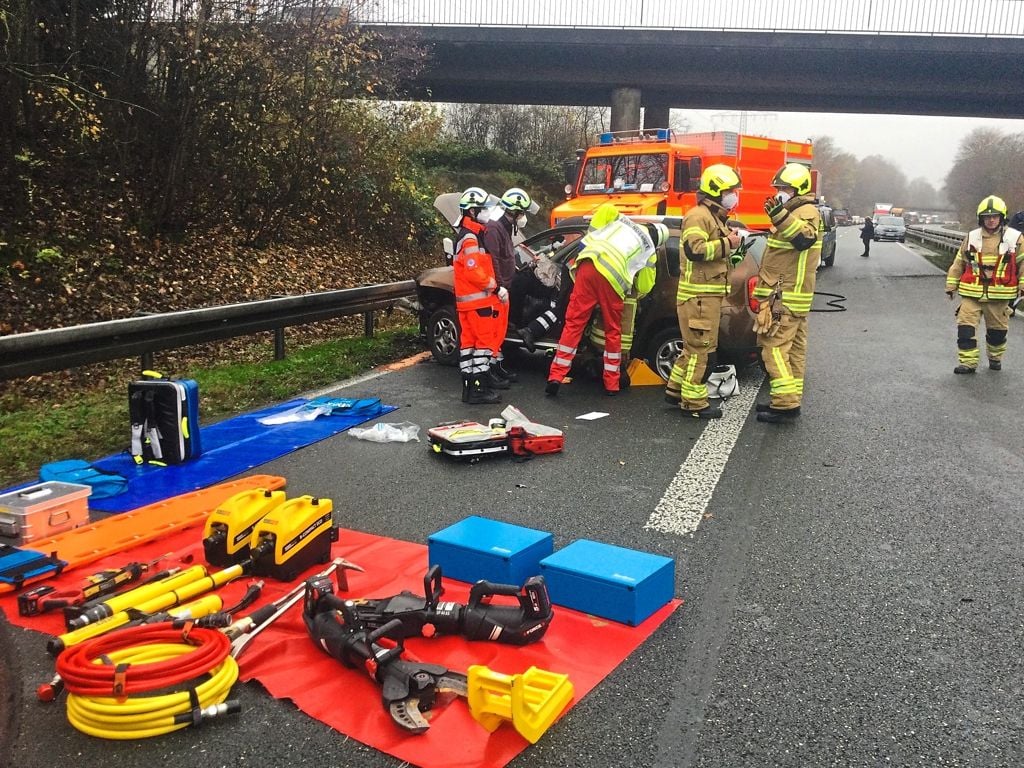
{"x":288,"y":665}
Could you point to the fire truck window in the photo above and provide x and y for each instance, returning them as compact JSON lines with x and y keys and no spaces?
{"x":626,"y":173}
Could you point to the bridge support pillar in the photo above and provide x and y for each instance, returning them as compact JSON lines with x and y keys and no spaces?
{"x":656,"y":117}
{"x":625,"y":109}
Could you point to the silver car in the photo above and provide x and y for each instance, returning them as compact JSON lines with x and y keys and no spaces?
{"x":890,"y":228}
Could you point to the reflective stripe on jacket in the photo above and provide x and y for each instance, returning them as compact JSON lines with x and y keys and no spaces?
{"x":986,"y":266}
{"x":474,"y":271}
{"x":705,"y":242}
{"x":782,"y":259}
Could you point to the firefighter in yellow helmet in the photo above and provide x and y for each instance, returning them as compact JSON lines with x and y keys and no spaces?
{"x":985,"y":272}
{"x":785,"y":289}
{"x":710,"y":246}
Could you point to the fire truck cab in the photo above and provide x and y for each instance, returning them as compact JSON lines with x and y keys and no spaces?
{"x":658,"y":172}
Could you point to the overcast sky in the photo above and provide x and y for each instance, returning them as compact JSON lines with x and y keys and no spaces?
{"x":920,"y":146}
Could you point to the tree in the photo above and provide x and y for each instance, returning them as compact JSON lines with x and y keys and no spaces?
{"x":988,"y":162}
{"x":838,"y":171}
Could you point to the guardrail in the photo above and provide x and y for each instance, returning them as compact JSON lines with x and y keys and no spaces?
{"x":27,"y":354}
{"x":947,"y":239}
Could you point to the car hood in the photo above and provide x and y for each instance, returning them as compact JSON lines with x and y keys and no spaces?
{"x":437,"y":277}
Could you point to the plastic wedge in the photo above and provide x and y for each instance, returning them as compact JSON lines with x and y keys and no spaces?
{"x":531,"y":701}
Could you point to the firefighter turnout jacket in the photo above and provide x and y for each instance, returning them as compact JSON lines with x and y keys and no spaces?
{"x":791,"y":255}
{"x":706,"y":248}
{"x":987,"y":266}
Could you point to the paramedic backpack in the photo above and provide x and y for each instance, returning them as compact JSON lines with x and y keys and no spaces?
{"x":165,"y":419}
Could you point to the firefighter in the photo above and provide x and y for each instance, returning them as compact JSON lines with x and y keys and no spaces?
{"x":498,"y":240}
{"x":985,"y":273}
{"x":709,"y":244}
{"x":785,"y":289}
{"x":477,"y":298}
{"x":614,"y":253}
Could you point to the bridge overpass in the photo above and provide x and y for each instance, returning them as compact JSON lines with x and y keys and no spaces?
{"x":933,"y":57}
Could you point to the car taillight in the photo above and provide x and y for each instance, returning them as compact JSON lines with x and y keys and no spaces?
{"x":753,"y":303}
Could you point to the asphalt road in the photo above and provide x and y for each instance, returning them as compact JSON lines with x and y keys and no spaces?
{"x":851,"y":595}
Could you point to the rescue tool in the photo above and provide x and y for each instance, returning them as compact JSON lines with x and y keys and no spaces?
{"x":531,"y":701}
{"x":47,"y":598}
{"x":427,"y":616}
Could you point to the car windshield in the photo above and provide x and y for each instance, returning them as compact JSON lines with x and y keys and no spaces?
{"x":625,"y":173}
{"x":895,"y":221}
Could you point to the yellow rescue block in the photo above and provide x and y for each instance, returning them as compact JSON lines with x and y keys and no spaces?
{"x":531,"y":700}
{"x":641,"y":375}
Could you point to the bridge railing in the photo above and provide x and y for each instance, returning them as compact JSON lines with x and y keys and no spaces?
{"x":989,"y":18}
{"x":57,"y":349}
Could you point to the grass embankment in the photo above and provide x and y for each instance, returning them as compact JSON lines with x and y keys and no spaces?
{"x":92,"y":423}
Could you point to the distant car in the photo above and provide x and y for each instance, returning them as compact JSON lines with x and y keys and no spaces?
{"x":890,"y":228}
{"x":828,"y":236}
{"x":656,"y":337}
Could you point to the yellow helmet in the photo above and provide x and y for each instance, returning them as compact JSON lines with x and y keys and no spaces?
{"x":794,"y":175}
{"x":992,"y":206}
{"x":605,"y":214}
{"x":717,"y":179}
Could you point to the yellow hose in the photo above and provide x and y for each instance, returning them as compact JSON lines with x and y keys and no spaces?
{"x":140,"y":717}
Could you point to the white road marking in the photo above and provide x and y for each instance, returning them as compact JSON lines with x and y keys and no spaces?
{"x":687,"y":497}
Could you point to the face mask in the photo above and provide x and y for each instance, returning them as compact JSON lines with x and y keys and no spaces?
{"x":783,"y":197}
{"x":521,"y":220}
{"x":730,"y":200}
{"x":484,"y":216}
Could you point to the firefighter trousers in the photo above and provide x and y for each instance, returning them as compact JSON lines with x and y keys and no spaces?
{"x":591,"y":290}
{"x":699,"y":320}
{"x":784,"y":354}
{"x":968,"y":320}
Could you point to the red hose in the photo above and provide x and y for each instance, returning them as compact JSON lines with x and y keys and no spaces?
{"x":84,"y":677}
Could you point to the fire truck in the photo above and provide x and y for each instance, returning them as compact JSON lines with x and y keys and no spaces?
{"x":658,"y":172}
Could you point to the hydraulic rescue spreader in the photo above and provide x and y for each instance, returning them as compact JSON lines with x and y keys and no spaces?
{"x":341,"y":628}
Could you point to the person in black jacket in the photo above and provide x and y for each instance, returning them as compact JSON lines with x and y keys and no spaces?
{"x":867,"y":233}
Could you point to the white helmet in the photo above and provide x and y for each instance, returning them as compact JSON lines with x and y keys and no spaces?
{"x":722,"y":382}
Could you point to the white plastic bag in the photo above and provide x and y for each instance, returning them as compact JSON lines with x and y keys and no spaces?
{"x":299,"y":413}
{"x":388,"y":433}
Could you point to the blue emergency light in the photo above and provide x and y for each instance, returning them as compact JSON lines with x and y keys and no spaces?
{"x":605,"y":138}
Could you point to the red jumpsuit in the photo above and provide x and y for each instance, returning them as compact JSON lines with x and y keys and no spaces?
{"x":476,"y":301}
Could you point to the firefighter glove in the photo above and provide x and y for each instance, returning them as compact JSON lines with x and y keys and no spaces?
{"x":736,"y":257}
{"x":773,"y":207}
{"x":502,"y":294}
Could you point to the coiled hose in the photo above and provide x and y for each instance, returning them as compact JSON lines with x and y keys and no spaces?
{"x":105,"y":676}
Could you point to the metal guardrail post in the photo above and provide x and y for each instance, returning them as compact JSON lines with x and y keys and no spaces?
{"x":279,"y":353}
{"x":368,"y":324}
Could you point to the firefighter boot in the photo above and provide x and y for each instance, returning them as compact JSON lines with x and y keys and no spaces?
{"x":495,"y":380}
{"x":465,"y":388}
{"x":995,"y":365}
{"x":708,"y":412}
{"x":529,"y":341}
{"x":480,"y":392}
{"x":964,"y":369}
{"x":775,"y":416}
{"x":504,"y":372}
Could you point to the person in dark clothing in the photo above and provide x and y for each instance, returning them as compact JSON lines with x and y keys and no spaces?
{"x":867,"y":233}
{"x":498,"y":240}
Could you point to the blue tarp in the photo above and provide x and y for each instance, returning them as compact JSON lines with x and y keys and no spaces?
{"x":230,"y":447}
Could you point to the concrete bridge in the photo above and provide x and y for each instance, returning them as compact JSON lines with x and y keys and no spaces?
{"x":928,"y":58}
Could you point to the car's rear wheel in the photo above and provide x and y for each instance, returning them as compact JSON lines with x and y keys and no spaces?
{"x":663,"y":350}
{"x":443,"y":336}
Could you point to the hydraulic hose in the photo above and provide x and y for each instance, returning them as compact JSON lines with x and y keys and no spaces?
{"x":834,"y":304}
{"x":107,"y":676}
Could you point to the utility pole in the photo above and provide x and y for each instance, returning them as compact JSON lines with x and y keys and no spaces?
{"x":743,"y":117}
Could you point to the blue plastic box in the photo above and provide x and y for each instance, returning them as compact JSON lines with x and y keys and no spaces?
{"x":612,"y":582}
{"x":477,"y":548}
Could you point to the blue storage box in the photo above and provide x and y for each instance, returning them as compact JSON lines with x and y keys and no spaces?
{"x":611,"y":582}
{"x":477,"y":548}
